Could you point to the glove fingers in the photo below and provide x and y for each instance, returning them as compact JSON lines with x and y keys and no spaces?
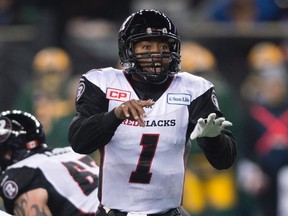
{"x":196,"y":131}
{"x":194,"y":135}
{"x":201,"y":121}
{"x":226,"y":124}
{"x":211,"y":118}
{"x":219,"y":121}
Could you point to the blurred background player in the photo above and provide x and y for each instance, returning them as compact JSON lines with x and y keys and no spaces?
{"x":59,"y":129}
{"x":208,"y":191}
{"x":37,"y":180}
{"x":265,"y":152}
{"x":263,"y":58}
{"x":48,"y":95}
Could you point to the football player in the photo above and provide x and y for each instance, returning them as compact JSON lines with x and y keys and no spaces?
{"x":141,"y":118}
{"x":37,"y":180}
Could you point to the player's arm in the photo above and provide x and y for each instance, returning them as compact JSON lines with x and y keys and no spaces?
{"x":33,"y":202}
{"x":217,"y":143}
{"x":92,"y":126}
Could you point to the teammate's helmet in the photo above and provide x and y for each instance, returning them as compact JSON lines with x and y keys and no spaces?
{"x":196,"y":59}
{"x":143,"y":25}
{"x":52,"y":59}
{"x":20,"y":133}
{"x":265,"y":55}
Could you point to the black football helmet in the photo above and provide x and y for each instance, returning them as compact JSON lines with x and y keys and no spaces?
{"x":20,"y":133}
{"x":145,"y":25}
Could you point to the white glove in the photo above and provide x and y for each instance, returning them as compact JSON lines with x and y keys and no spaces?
{"x":209,"y":127}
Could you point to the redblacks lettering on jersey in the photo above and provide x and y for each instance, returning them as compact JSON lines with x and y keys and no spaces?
{"x":153,"y":123}
{"x":117,"y":94}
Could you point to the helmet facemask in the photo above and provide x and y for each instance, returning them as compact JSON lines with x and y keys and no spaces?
{"x":152,"y":66}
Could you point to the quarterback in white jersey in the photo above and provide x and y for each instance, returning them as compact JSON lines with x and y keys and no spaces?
{"x":41,"y":181}
{"x":141,"y":118}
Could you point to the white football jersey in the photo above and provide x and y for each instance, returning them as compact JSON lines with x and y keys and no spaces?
{"x":143,"y":167}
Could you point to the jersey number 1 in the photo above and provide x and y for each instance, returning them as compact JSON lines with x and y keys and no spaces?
{"x":142,"y":173}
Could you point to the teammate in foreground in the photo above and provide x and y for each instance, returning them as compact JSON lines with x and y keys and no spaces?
{"x":141,"y":118}
{"x":36,"y":180}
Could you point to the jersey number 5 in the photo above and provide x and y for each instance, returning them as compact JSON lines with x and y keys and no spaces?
{"x":142,"y":173}
{"x":86,"y":180}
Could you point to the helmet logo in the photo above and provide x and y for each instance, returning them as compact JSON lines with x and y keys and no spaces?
{"x":214,"y":100}
{"x":150,"y":30}
{"x":10,"y":189}
{"x":81,"y":89}
{"x":5,"y":129}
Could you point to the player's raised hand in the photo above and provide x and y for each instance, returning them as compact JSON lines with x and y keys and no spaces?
{"x":133,"y":110}
{"x":209,"y":127}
